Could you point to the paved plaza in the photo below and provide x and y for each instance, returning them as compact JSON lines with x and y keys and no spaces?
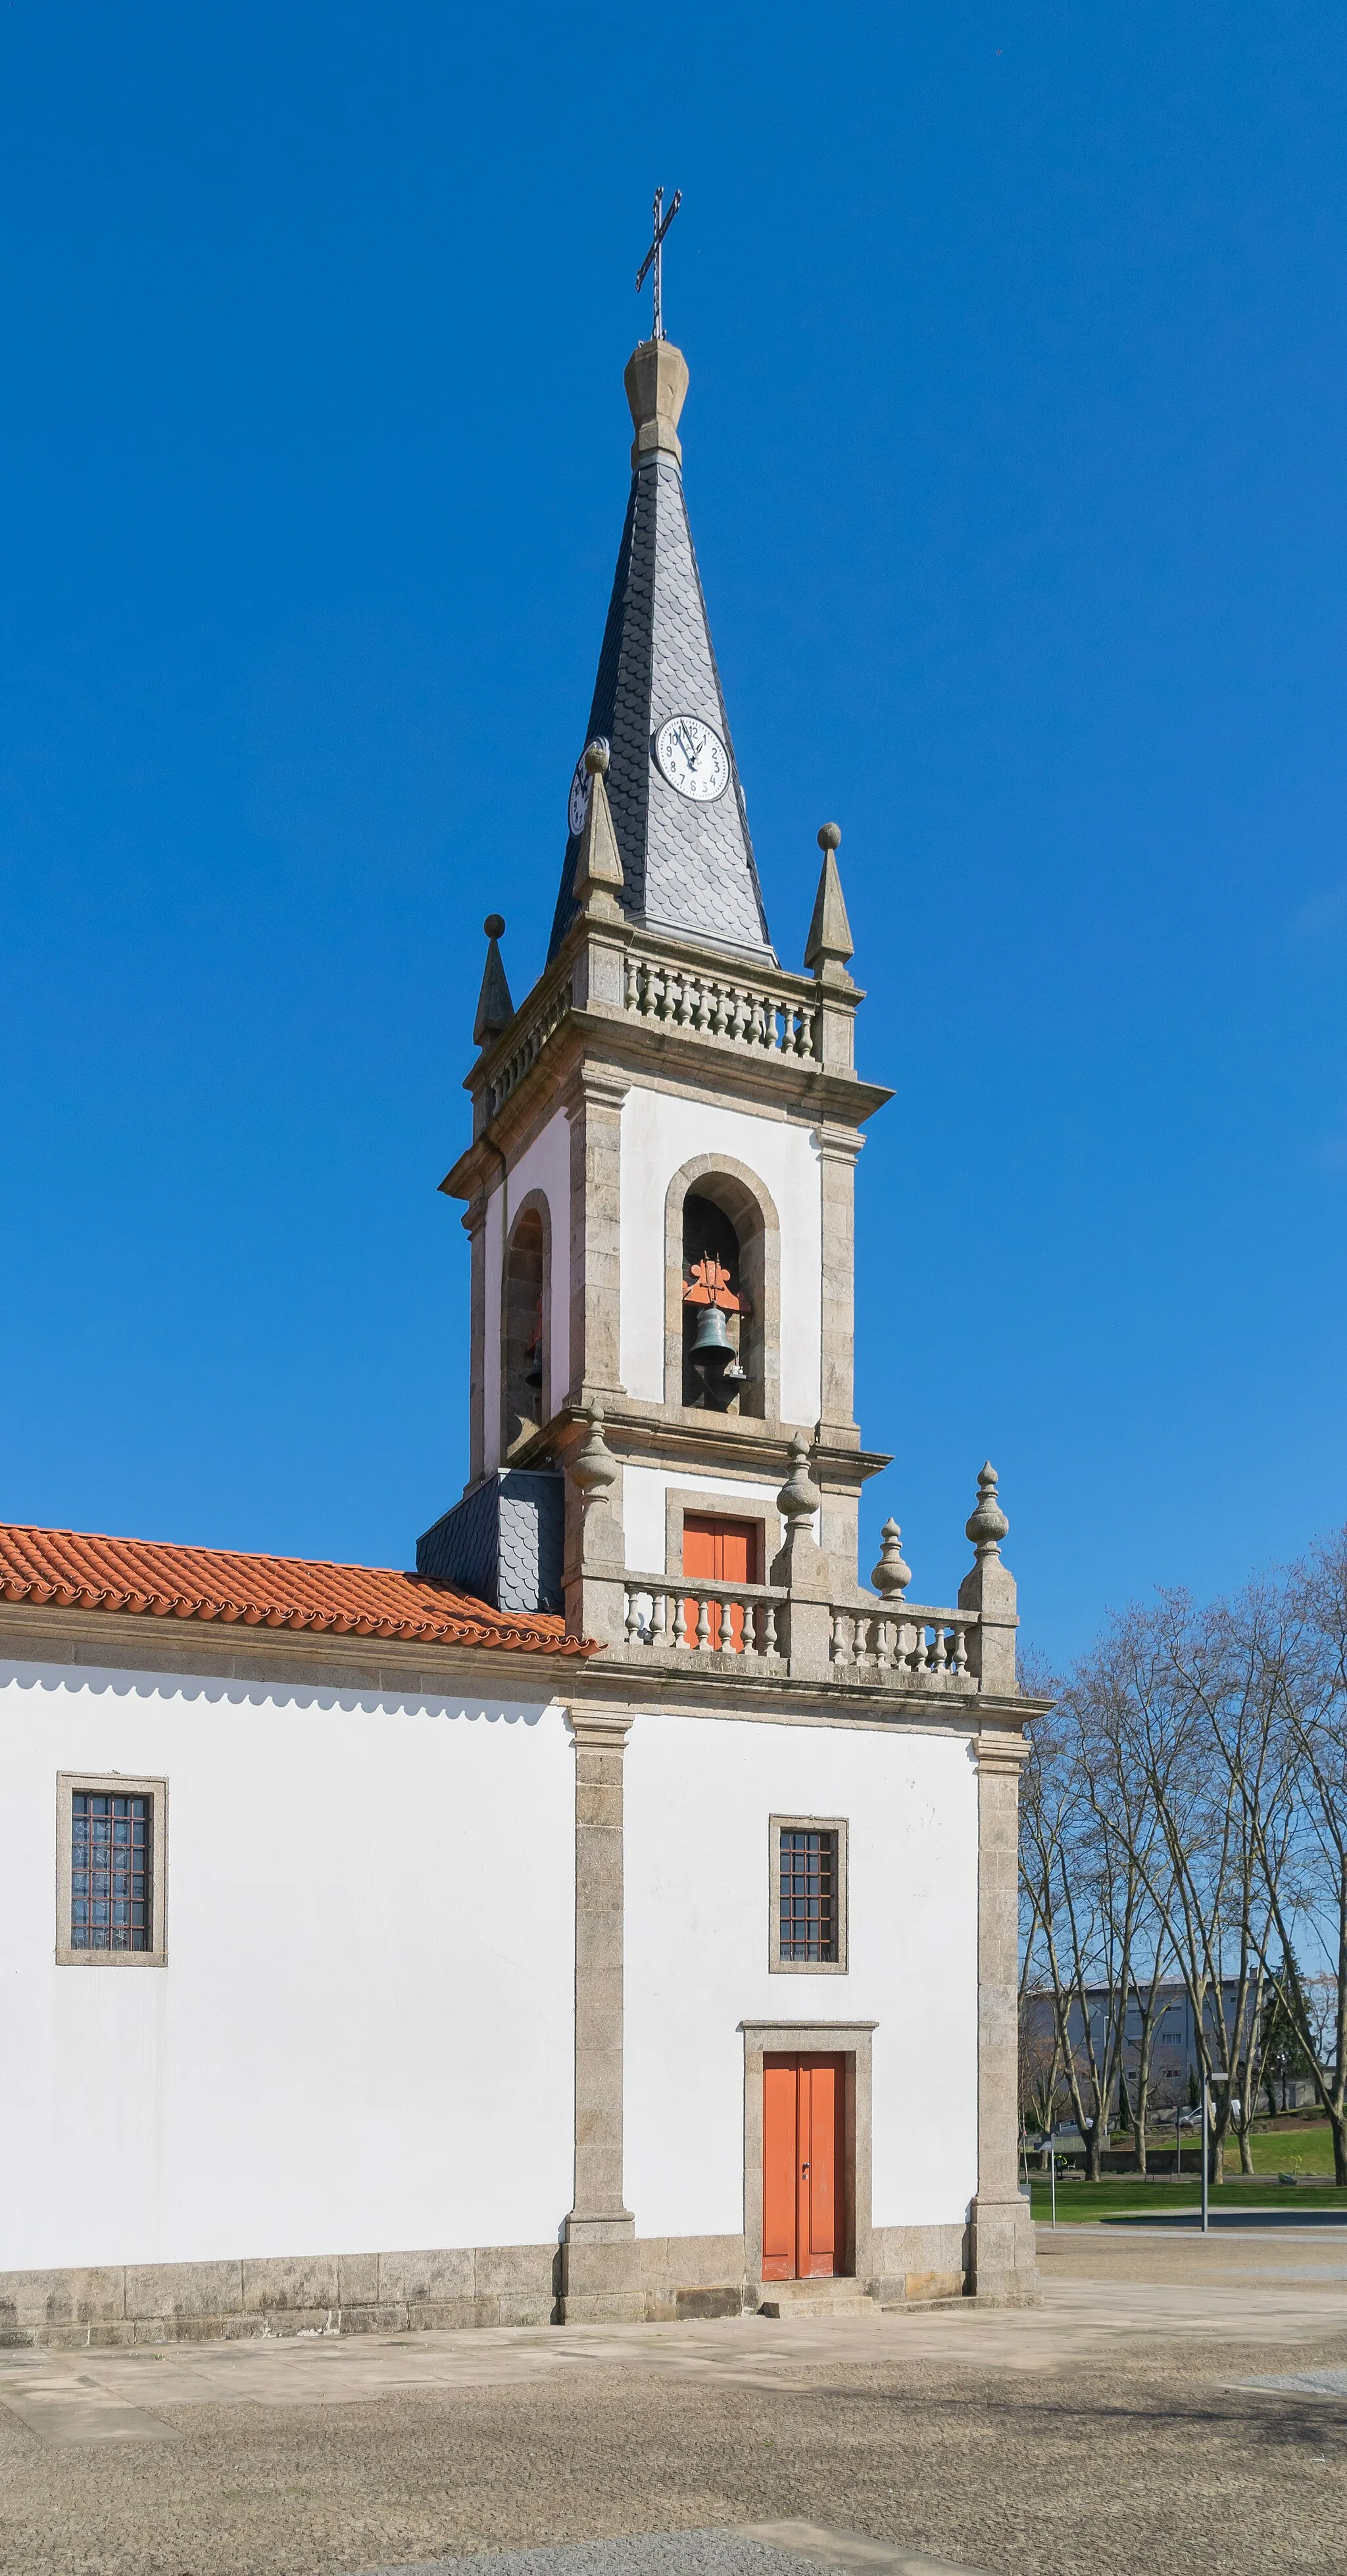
{"x":1172,"y":2401}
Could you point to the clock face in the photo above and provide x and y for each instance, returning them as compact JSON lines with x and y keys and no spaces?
{"x":579,"y":800}
{"x":693,"y":758}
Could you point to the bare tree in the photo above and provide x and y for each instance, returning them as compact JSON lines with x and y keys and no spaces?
{"x":1304,"y":1863}
{"x":1175,"y":1723}
{"x":1077,"y":1907}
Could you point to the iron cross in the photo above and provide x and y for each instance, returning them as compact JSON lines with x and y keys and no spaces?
{"x":654,"y":257}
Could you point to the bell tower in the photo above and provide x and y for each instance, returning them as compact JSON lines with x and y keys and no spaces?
{"x":660,"y":1193}
{"x":660,"y":1182}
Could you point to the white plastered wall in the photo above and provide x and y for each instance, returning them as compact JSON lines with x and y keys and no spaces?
{"x":363,"y":2039}
{"x":643,"y":1510}
{"x":699,"y":1793}
{"x":544,"y":1165}
{"x":660,"y":1133}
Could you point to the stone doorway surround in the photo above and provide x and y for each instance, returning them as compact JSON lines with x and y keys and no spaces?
{"x":852,"y":2042}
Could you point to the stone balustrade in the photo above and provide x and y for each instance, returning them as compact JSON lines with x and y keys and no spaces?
{"x":905,"y":1639}
{"x":755,"y":1014}
{"x":684,"y":1615}
{"x":893,"y":1645}
{"x":528,"y":1047}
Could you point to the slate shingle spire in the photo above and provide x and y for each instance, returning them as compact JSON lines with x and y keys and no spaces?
{"x":687,"y":865}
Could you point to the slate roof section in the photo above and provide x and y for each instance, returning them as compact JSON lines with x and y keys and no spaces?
{"x":687,"y":868}
{"x":78,"y":1570}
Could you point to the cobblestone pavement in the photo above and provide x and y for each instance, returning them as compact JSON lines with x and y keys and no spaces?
{"x":1139,"y":2413}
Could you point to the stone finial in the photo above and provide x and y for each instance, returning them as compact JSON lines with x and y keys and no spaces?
{"x":988,"y":1524}
{"x":798,"y":1499}
{"x":495,"y":1010}
{"x":594,"y":1468}
{"x":656,"y":379}
{"x":829,"y":944}
{"x":891,"y":1577}
{"x":598,"y":864}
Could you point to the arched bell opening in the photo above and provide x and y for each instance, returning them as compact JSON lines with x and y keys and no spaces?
{"x":524,"y":1327}
{"x":715,"y":1308}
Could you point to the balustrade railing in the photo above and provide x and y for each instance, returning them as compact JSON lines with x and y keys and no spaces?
{"x":685,"y":1615}
{"x":754,"y":1014}
{"x":529,"y":1047}
{"x":895,"y":1643}
{"x":926,"y":1645}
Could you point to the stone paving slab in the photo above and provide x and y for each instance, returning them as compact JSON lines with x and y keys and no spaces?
{"x":752,"y":2549}
{"x":120,"y":2395}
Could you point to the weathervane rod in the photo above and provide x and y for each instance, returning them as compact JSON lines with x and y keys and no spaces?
{"x":654,"y":257}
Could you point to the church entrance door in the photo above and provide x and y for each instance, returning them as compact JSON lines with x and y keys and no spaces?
{"x":803,"y":2216}
{"x":717,"y":1550}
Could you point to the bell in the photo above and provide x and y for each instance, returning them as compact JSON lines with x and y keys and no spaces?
{"x":533,"y":1374}
{"x":713,"y":1339}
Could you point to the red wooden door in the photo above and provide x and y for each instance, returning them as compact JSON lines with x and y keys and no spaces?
{"x":803,"y":2213}
{"x":719,"y":1551}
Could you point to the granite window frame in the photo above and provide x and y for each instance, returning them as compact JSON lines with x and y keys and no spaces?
{"x":776,"y":1964}
{"x":111,"y":1784}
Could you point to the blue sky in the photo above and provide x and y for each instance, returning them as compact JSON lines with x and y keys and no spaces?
{"x":1014,"y":452}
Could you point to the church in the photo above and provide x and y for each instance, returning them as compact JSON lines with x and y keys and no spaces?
{"x":615,"y":1917}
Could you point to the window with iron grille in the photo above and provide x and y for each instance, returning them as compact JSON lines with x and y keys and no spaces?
{"x":808,"y":1893}
{"x":111,"y":1872}
{"x":110,"y":1869}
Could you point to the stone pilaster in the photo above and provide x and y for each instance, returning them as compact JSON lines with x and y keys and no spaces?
{"x":989,"y":1589}
{"x":474,"y":1224}
{"x":802,"y":1569}
{"x":595,"y":1544}
{"x":593,"y":1103}
{"x":838,"y":1148}
{"x":1002,"y":2264}
{"x":600,"y":2257}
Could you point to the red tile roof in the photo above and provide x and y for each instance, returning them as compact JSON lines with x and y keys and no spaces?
{"x":74,"y":1570}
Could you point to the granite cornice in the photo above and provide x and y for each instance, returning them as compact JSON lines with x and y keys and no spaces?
{"x":637,"y":1428}
{"x":201,"y":1650}
{"x":777,"y":1699}
{"x":720,"y":1067}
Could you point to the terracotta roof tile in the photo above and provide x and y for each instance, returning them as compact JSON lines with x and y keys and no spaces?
{"x":77,"y":1570}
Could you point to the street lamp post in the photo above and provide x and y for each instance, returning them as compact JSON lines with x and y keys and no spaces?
{"x":1217,"y":2076}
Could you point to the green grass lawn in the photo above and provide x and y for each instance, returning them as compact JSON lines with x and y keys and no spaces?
{"x":1123,"y":2195}
{"x":1308,"y":2150}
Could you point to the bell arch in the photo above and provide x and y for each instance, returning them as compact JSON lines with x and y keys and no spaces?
{"x":526,"y":1323}
{"x":734,"y":1209}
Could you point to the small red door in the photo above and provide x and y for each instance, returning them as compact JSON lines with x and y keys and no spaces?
{"x":719,"y":1551}
{"x":803,"y":2217}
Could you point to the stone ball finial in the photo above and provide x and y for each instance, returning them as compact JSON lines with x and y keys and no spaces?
{"x":891,"y":1576}
{"x":596,"y":757}
{"x":594,"y":1468}
{"x":988,"y":1524}
{"x":494,"y":926}
{"x":830,"y":837}
{"x":799,"y":1498}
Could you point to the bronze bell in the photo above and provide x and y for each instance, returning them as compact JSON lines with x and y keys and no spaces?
{"x":713,"y":1339}
{"x":533,"y":1374}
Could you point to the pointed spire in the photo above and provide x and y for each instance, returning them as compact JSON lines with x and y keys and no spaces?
{"x":598,"y":868}
{"x":495,"y":1010}
{"x":674,"y":799}
{"x":829,"y":944}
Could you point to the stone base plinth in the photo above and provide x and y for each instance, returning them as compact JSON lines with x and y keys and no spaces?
{"x":613,"y":2278}
{"x":1003,"y":2264}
